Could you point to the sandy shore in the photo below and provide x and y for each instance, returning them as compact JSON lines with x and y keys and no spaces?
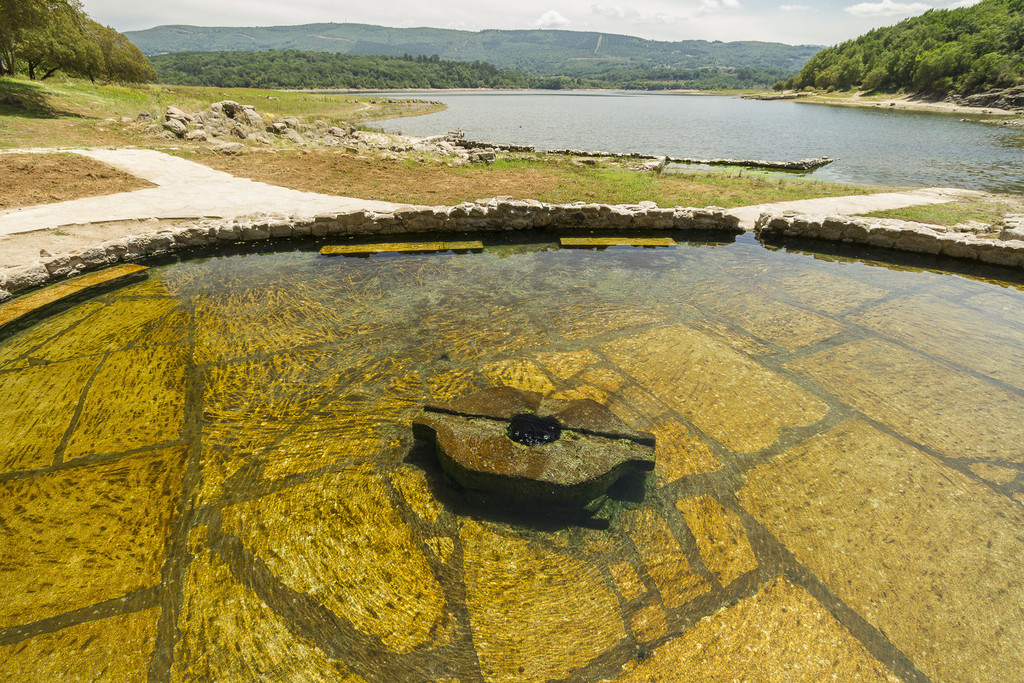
{"x":905,"y":102}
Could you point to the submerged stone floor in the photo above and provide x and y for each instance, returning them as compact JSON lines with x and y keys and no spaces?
{"x":210,"y":474}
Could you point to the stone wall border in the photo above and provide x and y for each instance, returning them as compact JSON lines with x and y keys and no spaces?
{"x":893,"y":234}
{"x":492,"y":215}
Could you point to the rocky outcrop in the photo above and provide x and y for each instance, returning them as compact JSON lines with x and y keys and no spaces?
{"x":803,"y":165}
{"x":1010,"y":98}
{"x":893,"y":234}
{"x":1013,"y":227}
{"x":489,"y":215}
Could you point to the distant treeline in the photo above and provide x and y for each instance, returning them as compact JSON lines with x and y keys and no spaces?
{"x":964,"y":50}
{"x":306,"y":69}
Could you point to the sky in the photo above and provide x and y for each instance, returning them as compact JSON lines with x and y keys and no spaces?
{"x":786,"y":21}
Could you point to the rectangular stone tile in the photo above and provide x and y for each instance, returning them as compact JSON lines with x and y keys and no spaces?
{"x":1007,"y":305}
{"x":829,"y":293}
{"x":340,"y":540}
{"x":779,"y":634}
{"x":136,"y":400}
{"x":399,"y":247}
{"x":680,"y":454}
{"x":617,"y":241}
{"x":664,"y":559}
{"x":575,"y":319}
{"x":925,"y":554}
{"x":727,"y":395}
{"x":954,"y":333}
{"x":956,"y":414}
{"x":565,"y":364}
{"x":37,"y":405}
{"x":537,"y":614}
{"x":721,"y":538}
{"x":228,"y":633}
{"x":119,"y":324}
{"x":518,"y":373}
{"x":113,"y":649}
{"x":87,"y":534}
{"x":22,"y":344}
{"x":763,"y":316}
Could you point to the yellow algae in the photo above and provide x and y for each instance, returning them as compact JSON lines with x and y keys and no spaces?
{"x":86,"y":534}
{"x":723,"y":332}
{"x":953,"y":333}
{"x":341,"y":541}
{"x":22,"y":344}
{"x":779,"y":634}
{"x":37,"y":408}
{"x":481,"y":331}
{"x":664,"y":559}
{"x":442,"y":546}
{"x":117,"y":648}
{"x":604,"y":378}
{"x":627,"y":581}
{"x":121,"y":322}
{"x":649,"y":623}
{"x":136,"y":400}
{"x":536,"y":614}
{"x":829,"y":293}
{"x":518,"y":373}
{"x":580,"y":319}
{"x":936,"y":405}
{"x":680,"y":454}
{"x":582,"y":391}
{"x":994,"y":473}
{"x":412,"y":483}
{"x":565,"y":364}
{"x":721,"y":538}
{"x":896,"y":533}
{"x":453,"y":384}
{"x":727,"y":395}
{"x":643,"y":403}
{"x":227,"y":632}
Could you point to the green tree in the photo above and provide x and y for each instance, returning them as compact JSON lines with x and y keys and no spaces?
{"x":64,"y":44}
{"x":17,"y":17}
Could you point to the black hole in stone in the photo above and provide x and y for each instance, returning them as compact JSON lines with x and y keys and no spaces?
{"x":532,"y":430}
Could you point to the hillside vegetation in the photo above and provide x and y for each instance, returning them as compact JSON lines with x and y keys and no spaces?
{"x":962,"y":51}
{"x":539,"y":52}
{"x":307,"y":69}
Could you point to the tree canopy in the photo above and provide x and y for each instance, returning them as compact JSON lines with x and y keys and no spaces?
{"x":41,"y":37}
{"x":965,"y":50}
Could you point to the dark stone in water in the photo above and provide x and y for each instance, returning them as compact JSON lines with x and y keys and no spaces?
{"x":523,"y":449}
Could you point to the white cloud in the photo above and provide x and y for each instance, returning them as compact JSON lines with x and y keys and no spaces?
{"x":887,"y":8}
{"x":632,"y":16}
{"x":797,"y":8}
{"x":552,"y":19}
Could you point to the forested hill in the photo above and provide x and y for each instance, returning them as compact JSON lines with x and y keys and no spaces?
{"x":566,"y":53}
{"x":963,"y":51}
{"x":308,"y":69}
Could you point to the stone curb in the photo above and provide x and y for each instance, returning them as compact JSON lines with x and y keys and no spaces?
{"x":497,"y":214}
{"x":893,"y":234}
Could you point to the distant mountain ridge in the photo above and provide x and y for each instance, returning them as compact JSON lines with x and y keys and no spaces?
{"x":571,"y":53}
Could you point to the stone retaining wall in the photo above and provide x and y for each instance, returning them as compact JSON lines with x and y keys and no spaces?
{"x":893,"y":234}
{"x":497,"y":214}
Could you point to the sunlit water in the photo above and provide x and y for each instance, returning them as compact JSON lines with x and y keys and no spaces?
{"x":875,"y":146}
{"x":210,"y":474}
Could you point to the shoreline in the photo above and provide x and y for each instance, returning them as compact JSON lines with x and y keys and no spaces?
{"x":905,"y":103}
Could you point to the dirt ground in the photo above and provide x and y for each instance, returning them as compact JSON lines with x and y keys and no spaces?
{"x":31,"y":179}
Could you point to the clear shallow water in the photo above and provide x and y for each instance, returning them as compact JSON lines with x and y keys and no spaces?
{"x":875,"y":146}
{"x":210,"y":474}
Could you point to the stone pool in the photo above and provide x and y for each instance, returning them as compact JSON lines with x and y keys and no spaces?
{"x":209,"y":474}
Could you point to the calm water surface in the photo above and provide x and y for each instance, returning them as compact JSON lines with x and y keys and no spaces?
{"x":875,"y":146}
{"x":210,"y":474}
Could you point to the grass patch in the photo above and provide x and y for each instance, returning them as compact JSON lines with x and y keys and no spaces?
{"x":549,"y":180}
{"x":987,"y":209}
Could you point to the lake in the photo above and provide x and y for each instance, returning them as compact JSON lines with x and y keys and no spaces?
{"x":874,"y":145}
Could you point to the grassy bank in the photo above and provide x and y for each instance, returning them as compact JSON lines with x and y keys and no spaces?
{"x":59,"y":113}
{"x":547,"y":179}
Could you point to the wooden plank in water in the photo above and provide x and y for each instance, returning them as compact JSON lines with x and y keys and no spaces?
{"x":617,"y":241}
{"x":24,"y":305}
{"x":391,"y":247}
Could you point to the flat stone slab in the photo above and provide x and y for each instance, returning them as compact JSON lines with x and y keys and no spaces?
{"x":398,"y":247}
{"x":534,"y":451}
{"x":22,"y":306}
{"x":617,"y":241}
